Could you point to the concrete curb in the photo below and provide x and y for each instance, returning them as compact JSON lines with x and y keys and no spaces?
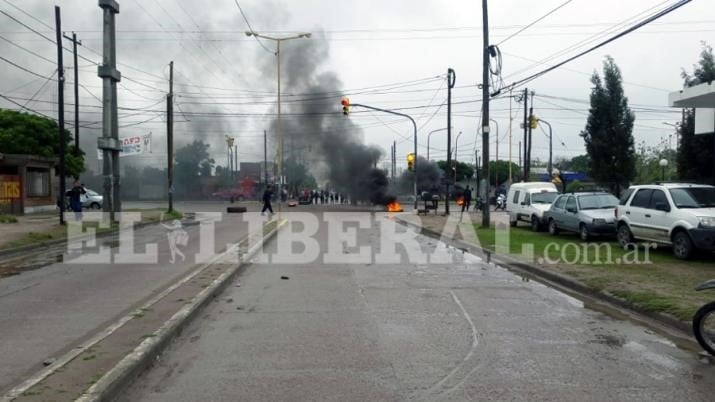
{"x":131,"y":366}
{"x":37,"y":248}
{"x":561,"y":282}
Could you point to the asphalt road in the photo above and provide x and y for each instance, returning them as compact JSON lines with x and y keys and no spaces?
{"x":408,"y":330}
{"x":56,"y":303}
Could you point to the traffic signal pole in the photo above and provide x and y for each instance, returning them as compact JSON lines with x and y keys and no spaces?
{"x":414,"y":125}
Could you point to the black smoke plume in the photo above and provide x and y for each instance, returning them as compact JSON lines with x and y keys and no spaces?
{"x":315,"y":129}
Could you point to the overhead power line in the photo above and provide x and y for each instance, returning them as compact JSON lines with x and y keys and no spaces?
{"x":251,"y":28}
{"x":601,"y":44}
{"x":535,"y":22}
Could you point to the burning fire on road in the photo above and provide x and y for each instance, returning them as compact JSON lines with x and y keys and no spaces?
{"x":394,"y":206}
{"x":460,"y":201}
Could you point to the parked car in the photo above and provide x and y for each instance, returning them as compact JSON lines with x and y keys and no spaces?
{"x":91,"y":199}
{"x":587,"y":214}
{"x":676,"y":214}
{"x":528,"y":202}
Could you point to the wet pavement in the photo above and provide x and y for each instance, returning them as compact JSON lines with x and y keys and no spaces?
{"x":411,"y":330}
{"x":52,"y":303}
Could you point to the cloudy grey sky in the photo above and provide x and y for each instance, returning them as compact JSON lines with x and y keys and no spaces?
{"x":391,"y":54}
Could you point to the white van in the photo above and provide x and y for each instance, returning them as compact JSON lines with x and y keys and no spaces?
{"x":528,"y":201}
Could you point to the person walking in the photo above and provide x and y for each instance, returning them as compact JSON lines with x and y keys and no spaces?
{"x":467,"y":196}
{"x":75,"y":197}
{"x":267,"y":195}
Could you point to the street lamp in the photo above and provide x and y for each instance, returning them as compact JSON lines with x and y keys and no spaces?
{"x":676,"y":126}
{"x":496,"y":165}
{"x":456,"y":141}
{"x":278,"y":64}
{"x":430,"y":134}
{"x":551,"y":147}
{"x":663,"y":164}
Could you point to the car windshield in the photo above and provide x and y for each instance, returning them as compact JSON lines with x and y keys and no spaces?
{"x":693,"y":197}
{"x":597,"y":201}
{"x":92,"y":193}
{"x":543,"y":198}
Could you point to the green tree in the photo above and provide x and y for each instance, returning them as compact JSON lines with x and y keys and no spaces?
{"x":648,"y":169}
{"x":23,"y":133}
{"x":464,"y":170}
{"x":576,"y":164}
{"x":189,"y":161}
{"x":502,"y":167}
{"x":695,"y":152}
{"x":609,"y":130}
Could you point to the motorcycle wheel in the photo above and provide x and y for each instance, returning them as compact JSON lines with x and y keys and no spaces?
{"x":704,"y":327}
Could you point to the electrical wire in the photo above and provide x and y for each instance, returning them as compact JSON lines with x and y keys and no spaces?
{"x":534,"y":22}
{"x":601,"y":44}
{"x":251,"y":29}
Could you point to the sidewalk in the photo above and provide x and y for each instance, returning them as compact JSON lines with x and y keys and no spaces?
{"x":648,"y":280}
{"x":49,"y":310}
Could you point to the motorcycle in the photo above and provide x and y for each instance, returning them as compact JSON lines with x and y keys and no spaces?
{"x":501,"y":203}
{"x":704,"y":321}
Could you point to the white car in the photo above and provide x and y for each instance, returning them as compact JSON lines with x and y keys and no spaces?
{"x":528,"y":202}
{"x":91,"y":199}
{"x":678,"y":214}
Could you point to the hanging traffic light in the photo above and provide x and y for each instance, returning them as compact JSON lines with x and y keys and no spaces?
{"x":533,"y":121}
{"x":346,"y":106}
{"x":411,"y":161}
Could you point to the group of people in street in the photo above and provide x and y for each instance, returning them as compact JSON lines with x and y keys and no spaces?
{"x":319,"y":197}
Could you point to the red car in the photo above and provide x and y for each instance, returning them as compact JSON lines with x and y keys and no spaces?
{"x":234,"y":194}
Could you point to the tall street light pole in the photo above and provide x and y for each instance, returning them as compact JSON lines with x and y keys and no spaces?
{"x":496,"y":165}
{"x":428,"y":137}
{"x":456,"y":143}
{"x":279,"y":133}
{"x":550,"y":168}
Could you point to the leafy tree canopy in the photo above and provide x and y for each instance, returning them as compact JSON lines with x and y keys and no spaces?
{"x":609,"y":130}
{"x":23,"y":133}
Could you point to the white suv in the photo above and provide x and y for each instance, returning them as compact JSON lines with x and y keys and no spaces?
{"x":677,"y":214}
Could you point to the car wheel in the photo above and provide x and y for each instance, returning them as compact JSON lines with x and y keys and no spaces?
{"x":553,"y":228}
{"x":625,"y":237}
{"x":95,"y":205}
{"x":513,"y":223}
{"x":583,"y":233}
{"x":682,"y":246}
{"x":535,"y":226}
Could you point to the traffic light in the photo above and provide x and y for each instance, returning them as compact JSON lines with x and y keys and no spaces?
{"x":411,"y":161}
{"x":533,"y":121}
{"x":346,"y":106}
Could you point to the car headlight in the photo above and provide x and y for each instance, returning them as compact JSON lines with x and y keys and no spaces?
{"x":599,"y":220}
{"x":707,"y":221}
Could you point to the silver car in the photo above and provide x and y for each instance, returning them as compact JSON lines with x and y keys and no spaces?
{"x":587,"y":214}
{"x":91,"y":199}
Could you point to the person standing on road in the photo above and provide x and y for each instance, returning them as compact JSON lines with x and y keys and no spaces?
{"x":75,"y":196}
{"x":267,"y":195}
{"x":467,"y":195}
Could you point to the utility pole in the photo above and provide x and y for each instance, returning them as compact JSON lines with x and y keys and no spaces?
{"x":451,"y":80}
{"x":265,"y":160}
{"x":61,"y":111}
{"x":485,"y":112}
{"x":109,"y":142}
{"x":524,"y":170}
{"x":75,"y":42}
{"x":170,"y":137}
